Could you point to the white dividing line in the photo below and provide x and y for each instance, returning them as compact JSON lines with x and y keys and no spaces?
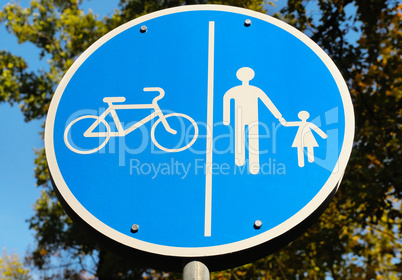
{"x":210,"y":120}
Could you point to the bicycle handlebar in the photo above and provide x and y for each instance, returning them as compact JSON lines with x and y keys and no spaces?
{"x":158,"y":89}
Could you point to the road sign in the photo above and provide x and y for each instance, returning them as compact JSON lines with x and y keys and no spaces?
{"x":199,"y":132}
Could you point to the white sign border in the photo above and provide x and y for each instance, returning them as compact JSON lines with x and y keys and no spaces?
{"x":194,"y":252}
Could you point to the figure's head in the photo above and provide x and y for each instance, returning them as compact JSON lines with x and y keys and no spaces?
{"x":303,"y":115}
{"x":245,"y":74}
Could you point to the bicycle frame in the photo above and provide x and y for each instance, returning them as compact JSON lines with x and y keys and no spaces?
{"x":120,"y":130}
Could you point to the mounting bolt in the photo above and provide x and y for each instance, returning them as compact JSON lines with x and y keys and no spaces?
{"x":257,"y":224}
{"x":143,"y":29}
{"x":247,"y":23}
{"x":134,"y":228}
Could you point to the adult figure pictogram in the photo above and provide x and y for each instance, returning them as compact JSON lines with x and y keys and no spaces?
{"x":246,"y":99}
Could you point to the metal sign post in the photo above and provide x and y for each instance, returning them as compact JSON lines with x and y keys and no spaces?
{"x":195,"y":270}
{"x":205,"y":132}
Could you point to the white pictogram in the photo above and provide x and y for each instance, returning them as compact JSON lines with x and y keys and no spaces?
{"x":123,"y":132}
{"x":304,"y":137}
{"x":246,"y":99}
{"x":246,"y":114}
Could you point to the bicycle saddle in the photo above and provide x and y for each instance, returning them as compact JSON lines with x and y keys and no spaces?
{"x":114,"y":99}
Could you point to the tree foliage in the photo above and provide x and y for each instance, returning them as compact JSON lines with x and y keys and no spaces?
{"x":11,"y":268}
{"x":358,"y":236}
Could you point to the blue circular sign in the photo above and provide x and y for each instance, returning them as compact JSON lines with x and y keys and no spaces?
{"x":200,"y":132}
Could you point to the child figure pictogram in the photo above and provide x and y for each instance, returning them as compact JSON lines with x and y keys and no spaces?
{"x":304,"y":136}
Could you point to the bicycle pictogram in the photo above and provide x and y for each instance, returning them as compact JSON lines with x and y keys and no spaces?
{"x":121,"y":132}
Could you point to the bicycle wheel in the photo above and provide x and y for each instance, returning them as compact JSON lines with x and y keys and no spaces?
{"x":86,"y":151}
{"x":183,"y":128}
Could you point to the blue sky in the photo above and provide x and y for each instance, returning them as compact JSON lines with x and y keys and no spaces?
{"x":18,"y":140}
{"x":17,"y":189}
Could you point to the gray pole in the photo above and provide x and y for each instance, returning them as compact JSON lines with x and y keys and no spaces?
{"x":195,"y":270}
